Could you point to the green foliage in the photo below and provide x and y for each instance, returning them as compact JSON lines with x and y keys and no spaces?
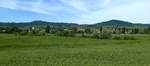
{"x":123,"y":30}
{"x":23,"y":33}
{"x":83,"y":35}
{"x":88,"y":30}
{"x":97,"y":36}
{"x":101,"y":29}
{"x":32,"y":33}
{"x":128,"y":38}
{"x":53,"y":32}
{"x":36,"y":23}
{"x":47,"y":29}
{"x":115,"y":23}
{"x":37,"y":33}
{"x":105,"y":35}
{"x":147,"y":30}
{"x":40,"y":34}
{"x":135,"y":31}
{"x":123,"y":37}
{"x":118,"y":37}
{"x":65,"y":33}
{"x":10,"y":29}
{"x":74,"y":29}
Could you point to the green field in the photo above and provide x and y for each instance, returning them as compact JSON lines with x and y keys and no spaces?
{"x":73,"y":51}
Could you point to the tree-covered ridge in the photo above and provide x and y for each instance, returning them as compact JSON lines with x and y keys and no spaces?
{"x":114,"y":23}
{"x":120,"y":23}
{"x":36,"y":23}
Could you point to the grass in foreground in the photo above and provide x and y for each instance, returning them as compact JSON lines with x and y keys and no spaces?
{"x":67,"y":51}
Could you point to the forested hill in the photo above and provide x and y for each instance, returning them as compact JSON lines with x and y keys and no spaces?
{"x":36,"y":23}
{"x":118,"y":23}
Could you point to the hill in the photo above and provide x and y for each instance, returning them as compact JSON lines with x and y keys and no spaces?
{"x":36,"y":23}
{"x":120,"y":23}
{"x":111,"y":23}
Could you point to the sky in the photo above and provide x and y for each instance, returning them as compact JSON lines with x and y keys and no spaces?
{"x":75,"y":11}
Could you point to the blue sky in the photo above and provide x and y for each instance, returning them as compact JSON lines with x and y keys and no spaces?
{"x":75,"y":11}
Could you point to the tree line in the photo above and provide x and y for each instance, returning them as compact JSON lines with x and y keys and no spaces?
{"x":96,"y":32}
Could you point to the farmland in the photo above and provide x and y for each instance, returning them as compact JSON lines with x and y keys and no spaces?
{"x":74,"y":32}
{"x":53,"y":50}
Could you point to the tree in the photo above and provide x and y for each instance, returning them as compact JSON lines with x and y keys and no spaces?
{"x":135,"y":31}
{"x":96,"y":36}
{"x":47,"y":30}
{"x":101,"y":29}
{"x":13,"y":29}
{"x":74,"y":29}
{"x":119,"y":29}
{"x":124,"y":30}
{"x":87,"y":30}
{"x":105,"y":35}
{"x":147,"y":30}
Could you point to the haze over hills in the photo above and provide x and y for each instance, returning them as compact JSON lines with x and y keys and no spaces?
{"x":118,"y":23}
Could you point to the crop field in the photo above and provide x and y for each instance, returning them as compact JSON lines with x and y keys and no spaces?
{"x":73,"y":51}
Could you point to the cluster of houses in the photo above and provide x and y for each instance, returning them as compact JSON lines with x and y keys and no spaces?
{"x":83,"y":30}
{"x":80,"y":30}
{"x":114,"y":31}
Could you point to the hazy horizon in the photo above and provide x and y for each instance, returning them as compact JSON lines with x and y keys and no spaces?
{"x":75,"y":11}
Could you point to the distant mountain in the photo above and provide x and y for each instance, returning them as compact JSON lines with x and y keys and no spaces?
{"x":36,"y":23}
{"x":110,"y":23}
{"x":119,"y":23}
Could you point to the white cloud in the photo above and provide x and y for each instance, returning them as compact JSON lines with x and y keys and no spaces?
{"x":43,"y":6}
{"x":11,"y":4}
{"x":77,"y":4}
{"x":137,"y":12}
{"x":37,"y":6}
{"x":34,"y":6}
{"x":86,"y":11}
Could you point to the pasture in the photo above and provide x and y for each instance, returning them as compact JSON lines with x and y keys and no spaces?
{"x":73,"y":51}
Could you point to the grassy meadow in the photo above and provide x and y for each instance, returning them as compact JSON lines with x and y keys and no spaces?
{"x":73,"y":51}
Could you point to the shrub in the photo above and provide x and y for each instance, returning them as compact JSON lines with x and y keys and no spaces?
{"x":40,"y":34}
{"x":65,"y":33}
{"x":22,"y":33}
{"x":53,"y":32}
{"x":59,"y":33}
{"x":105,"y":35}
{"x":117,"y":38}
{"x":32,"y":33}
{"x":125,"y":37}
{"x":83,"y":35}
{"x":97,"y":36}
{"x":128,"y":38}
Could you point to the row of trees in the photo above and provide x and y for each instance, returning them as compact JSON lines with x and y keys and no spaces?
{"x":9,"y":30}
{"x":104,"y":35}
{"x":90,"y":30}
{"x":74,"y":29}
